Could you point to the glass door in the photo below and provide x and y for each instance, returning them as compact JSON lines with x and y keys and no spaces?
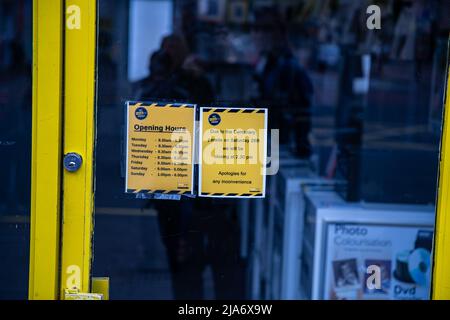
{"x":16,"y":25}
{"x":95,"y":95}
{"x":354,"y":98}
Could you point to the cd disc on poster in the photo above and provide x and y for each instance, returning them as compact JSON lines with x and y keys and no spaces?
{"x":419,"y":266}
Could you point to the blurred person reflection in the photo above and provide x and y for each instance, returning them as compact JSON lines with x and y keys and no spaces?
{"x":107,"y":71}
{"x":195,"y":232}
{"x":286,"y":88}
{"x":15,"y":124}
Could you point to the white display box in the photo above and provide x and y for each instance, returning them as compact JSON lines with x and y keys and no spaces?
{"x":256,"y":248}
{"x":257,"y":219}
{"x":286,"y":229}
{"x":341,"y":240}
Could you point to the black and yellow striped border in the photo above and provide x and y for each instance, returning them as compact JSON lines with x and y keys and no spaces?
{"x":147,"y":191}
{"x":160,"y":105}
{"x":207,"y":194}
{"x":204,"y":110}
{"x":233,"y":110}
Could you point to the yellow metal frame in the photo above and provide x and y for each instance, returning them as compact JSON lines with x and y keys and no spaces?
{"x":79,"y":136}
{"x":101,"y":285}
{"x":46,"y":149}
{"x":441,"y":265}
{"x":62,"y":222}
{"x":61,"y":248}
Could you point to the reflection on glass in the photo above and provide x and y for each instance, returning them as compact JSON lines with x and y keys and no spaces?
{"x":15,"y":146}
{"x":358,"y":112}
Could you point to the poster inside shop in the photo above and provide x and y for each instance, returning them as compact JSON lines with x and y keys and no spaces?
{"x":233,"y":152}
{"x":159,"y":148}
{"x":402,"y":254}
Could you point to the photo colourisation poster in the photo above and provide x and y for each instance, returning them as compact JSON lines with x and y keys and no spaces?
{"x":401,"y":254}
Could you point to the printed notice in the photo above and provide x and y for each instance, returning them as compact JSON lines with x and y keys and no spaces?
{"x":160,"y":140}
{"x":233,"y":149}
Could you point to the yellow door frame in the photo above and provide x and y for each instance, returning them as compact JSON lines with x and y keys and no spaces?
{"x":61,"y":244}
{"x":79,"y":137}
{"x":46,"y":149}
{"x":441,"y":263}
{"x":64,"y":53}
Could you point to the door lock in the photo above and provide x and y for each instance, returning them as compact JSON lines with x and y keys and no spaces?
{"x":72,"y":161}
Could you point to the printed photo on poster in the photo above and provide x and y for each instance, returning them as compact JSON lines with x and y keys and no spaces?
{"x":346,"y":274}
{"x":385,"y":276}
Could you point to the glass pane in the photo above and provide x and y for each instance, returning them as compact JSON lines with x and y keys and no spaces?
{"x":354,"y":97}
{"x":15,"y":145}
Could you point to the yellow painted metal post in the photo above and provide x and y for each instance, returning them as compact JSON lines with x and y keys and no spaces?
{"x":441,"y":266}
{"x":101,"y":285}
{"x":46,"y":149}
{"x":79,"y":136}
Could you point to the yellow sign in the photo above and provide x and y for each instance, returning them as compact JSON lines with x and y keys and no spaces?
{"x":233,"y":148}
{"x":159,"y":148}
{"x":83,"y":296}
